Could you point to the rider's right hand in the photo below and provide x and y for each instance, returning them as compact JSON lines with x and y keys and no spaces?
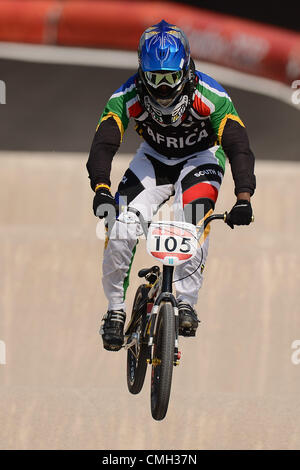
{"x":103,"y":197}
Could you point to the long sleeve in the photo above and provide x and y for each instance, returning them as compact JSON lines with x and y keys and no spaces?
{"x":112,"y":124}
{"x":235,"y":143}
{"x":232,"y":136}
{"x":105,"y":145}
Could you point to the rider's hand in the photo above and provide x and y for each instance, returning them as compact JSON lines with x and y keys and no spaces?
{"x":103,"y":197}
{"x":240,"y":214}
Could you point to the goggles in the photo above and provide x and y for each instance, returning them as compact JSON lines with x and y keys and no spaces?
{"x":171,"y":79}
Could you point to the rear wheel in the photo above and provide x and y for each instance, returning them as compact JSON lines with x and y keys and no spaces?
{"x":138,"y":353}
{"x":163,"y":361}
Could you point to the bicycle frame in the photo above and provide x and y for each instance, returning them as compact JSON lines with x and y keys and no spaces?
{"x":160,"y":291}
{"x":153,"y":331}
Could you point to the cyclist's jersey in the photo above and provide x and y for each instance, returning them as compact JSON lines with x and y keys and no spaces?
{"x":198,"y":129}
{"x":211,"y":120}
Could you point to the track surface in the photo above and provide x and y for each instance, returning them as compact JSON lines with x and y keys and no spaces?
{"x":236,"y":387}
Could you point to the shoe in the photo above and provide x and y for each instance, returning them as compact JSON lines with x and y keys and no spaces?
{"x":112,"y":330}
{"x":188,"y":320}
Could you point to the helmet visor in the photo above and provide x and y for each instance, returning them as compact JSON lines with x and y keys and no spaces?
{"x":171,"y":79}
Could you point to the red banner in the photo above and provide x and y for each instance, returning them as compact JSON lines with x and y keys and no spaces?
{"x":244,"y":45}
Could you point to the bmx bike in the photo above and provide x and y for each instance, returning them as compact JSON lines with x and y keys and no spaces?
{"x":151,"y":336}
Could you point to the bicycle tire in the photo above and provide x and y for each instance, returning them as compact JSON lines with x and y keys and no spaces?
{"x":137,"y":356}
{"x":163,"y":361}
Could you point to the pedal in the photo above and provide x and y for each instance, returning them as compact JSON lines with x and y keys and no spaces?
{"x":111,"y":347}
{"x":187,"y":332}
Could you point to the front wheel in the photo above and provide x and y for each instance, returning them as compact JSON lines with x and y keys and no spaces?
{"x":162,"y":362}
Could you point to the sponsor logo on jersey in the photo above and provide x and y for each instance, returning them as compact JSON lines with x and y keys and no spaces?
{"x":208,"y":171}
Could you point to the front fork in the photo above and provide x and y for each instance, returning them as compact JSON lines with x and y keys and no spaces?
{"x":165,"y":296}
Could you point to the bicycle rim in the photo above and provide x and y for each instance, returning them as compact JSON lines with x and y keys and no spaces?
{"x":136,"y":367}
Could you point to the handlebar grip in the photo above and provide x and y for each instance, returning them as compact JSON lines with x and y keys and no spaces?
{"x":228,"y":222}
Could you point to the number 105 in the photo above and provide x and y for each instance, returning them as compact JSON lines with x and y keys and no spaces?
{"x":170,"y":244}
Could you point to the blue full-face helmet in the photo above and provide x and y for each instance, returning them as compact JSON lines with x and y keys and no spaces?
{"x":164,"y":63}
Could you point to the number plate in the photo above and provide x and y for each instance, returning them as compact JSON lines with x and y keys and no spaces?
{"x":173,"y":243}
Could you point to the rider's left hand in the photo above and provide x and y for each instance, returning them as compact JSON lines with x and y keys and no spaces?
{"x":240,"y":214}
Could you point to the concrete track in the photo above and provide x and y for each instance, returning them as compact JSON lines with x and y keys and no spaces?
{"x":236,"y":387}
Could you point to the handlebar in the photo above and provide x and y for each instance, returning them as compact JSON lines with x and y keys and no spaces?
{"x":221,"y":217}
{"x":208,"y":219}
{"x":214,"y":217}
